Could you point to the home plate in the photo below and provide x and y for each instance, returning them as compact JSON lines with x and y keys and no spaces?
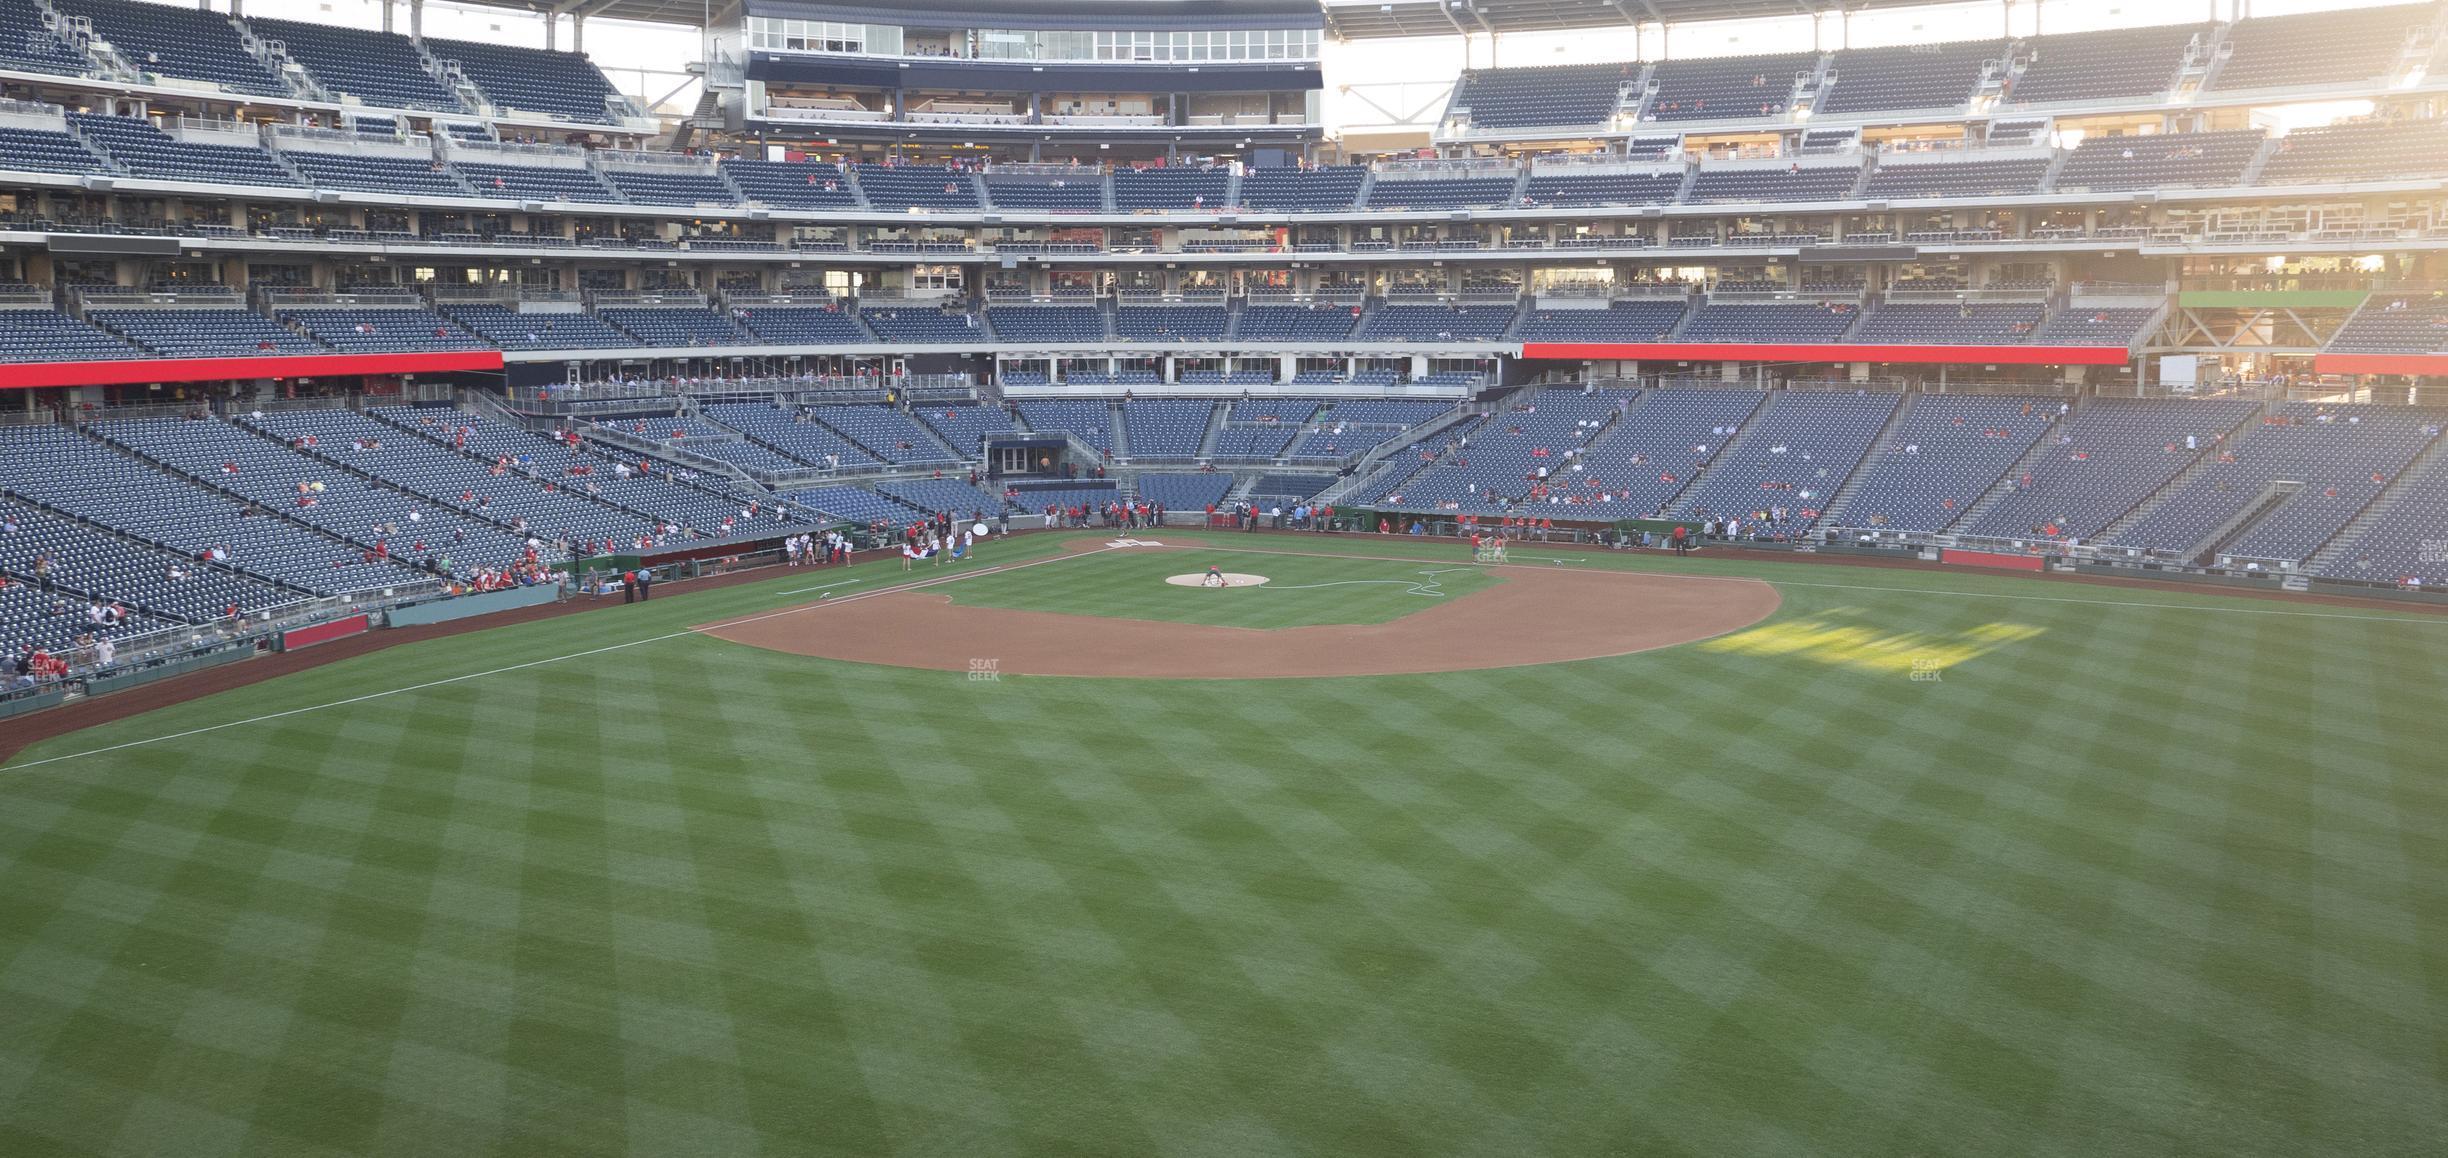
{"x":1231,"y":579}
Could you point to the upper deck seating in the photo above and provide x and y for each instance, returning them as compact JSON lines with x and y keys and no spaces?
{"x":379,"y":68}
{"x":562,"y":85}
{"x":1726,"y":88}
{"x":1562,"y":95}
{"x":1909,"y":76}
{"x":2337,"y":47}
{"x":2116,"y":64}
{"x":186,"y":43}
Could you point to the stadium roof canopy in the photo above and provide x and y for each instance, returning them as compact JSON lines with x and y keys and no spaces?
{"x":1356,"y":19}
{"x":956,"y":13}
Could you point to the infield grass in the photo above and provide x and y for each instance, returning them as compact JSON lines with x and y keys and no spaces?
{"x":1301,"y":591}
{"x":1926,"y":864}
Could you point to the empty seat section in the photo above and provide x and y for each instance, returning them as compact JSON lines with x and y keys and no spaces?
{"x":149,"y":152}
{"x":1604,"y":188}
{"x":803,"y":325}
{"x":535,"y":182}
{"x":1081,"y":195}
{"x":379,"y":68}
{"x":2342,"y":47}
{"x":2313,"y":466}
{"x":1166,"y":427}
{"x":1169,"y":188}
{"x":375,"y":174}
{"x":675,"y":325}
{"x":1324,"y":322}
{"x":2115,"y":453}
{"x":1793,"y":183}
{"x":1170,"y":323}
{"x":45,"y":151}
{"x":1908,"y":76}
{"x":944,"y":496}
{"x":564,"y":85}
{"x":2017,"y":177}
{"x":1047,"y":323}
{"x":2159,"y":160}
{"x":886,"y":433}
{"x":1441,"y":193}
{"x":925,"y":324}
{"x":792,"y":184}
{"x":364,"y":331}
{"x":2402,"y":541}
{"x":1437,"y":323}
{"x":1632,"y":321}
{"x":2114,"y":326}
{"x":186,"y":43}
{"x":1919,"y":324}
{"x":2395,"y":324}
{"x":2119,"y":64}
{"x":1726,"y":88}
{"x":1569,"y":95}
{"x":672,"y":186}
{"x":1091,"y":422}
{"x":29,"y":45}
{"x":793,"y":432}
{"x":895,"y":189}
{"x":2361,"y":151}
{"x":39,"y":335}
{"x":1943,"y":455}
{"x":1785,"y":322}
{"x":1792,"y":457}
{"x":513,"y":329}
{"x":964,"y":425}
{"x":235,"y":332}
{"x":1321,"y":190}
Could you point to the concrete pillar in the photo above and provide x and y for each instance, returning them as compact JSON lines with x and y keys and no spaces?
{"x":416,"y":18}
{"x":552,"y":32}
{"x":577,"y":32}
{"x":386,"y":25}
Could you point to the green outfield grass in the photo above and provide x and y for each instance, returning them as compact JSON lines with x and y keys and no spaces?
{"x":1301,"y":591}
{"x":1926,"y":864}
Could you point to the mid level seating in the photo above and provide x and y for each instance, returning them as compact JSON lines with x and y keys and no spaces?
{"x":1170,"y":323}
{"x":1630,"y":321}
{"x":1170,"y":188}
{"x":792,"y":431}
{"x":149,"y":152}
{"x":1045,"y":194}
{"x":1917,"y":324}
{"x":564,"y":85}
{"x":1187,"y":493}
{"x":2116,"y":326}
{"x":803,"y":325}
{"x":1312,"y":323}
{"x":1657,"y":188}
{"x":513,"y":329}
{"x":186,"y":43}
{"x":945,"y":496}
{"x":372,"y":174}
{"x":1320,"y":190}
{"x":2120,"y":64}
{"x":2020,"y":176}
{"x":364,"y":331}
{"x":897,"y":188}
{"x":1437,"y":323}
{"x":792,"y":184}
{"x":1793,"y":183}
{"x":1783,"y":322}
{"x":2161,"y":160}
{"x":40,"y":335}
{"x":2361,"y":151}
{"x":1563,"y":94}
{"x":235,"y":332}
{"x":922,"y":324}
{"x":675,"y":325}
{"x":535,"y":182}
{"x":379,"y":68}
{"x":2395,"y":324}
{"x":1441,"y":193}
{"x":670,"y":186}
{"x":1047,"y":323}
{"x":43,"y":151}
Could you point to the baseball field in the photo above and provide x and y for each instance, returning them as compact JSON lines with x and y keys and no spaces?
{"x":1584,"y":855}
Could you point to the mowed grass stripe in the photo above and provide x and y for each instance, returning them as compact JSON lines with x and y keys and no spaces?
{"x":2122,"y":881}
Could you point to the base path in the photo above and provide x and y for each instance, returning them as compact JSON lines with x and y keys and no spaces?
{"x":1535,"y":616}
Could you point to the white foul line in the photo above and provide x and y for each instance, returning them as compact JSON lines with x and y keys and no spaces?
{"x":912,"y":586}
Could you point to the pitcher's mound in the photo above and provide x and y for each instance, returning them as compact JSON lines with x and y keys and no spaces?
{"x":1231,"y":579}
